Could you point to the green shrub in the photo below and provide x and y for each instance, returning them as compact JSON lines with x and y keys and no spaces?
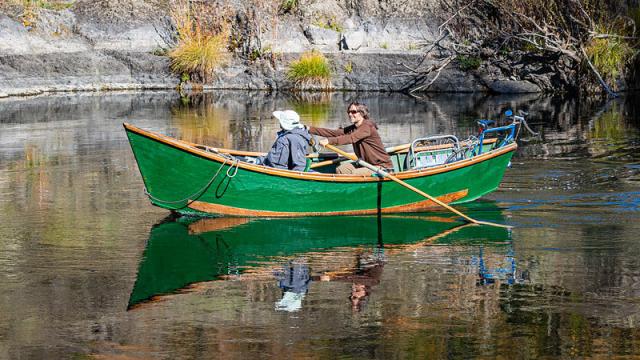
{"x":348,"y":67}
{"x":288,"y":6}
{"x":312,"y":68}
{"x":259,"y":53}
{"x":529,"y":47}
{"x":609,"y":55}
{"x":52,"y":5}
{"x":29,"y":10}
{"x":43,"y":4}
{"x":467,"y":63}
{"x":329,"y":24}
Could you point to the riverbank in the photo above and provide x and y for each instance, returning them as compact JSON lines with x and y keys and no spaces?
{"x":87,"y":46}
{"x":80,"y":63}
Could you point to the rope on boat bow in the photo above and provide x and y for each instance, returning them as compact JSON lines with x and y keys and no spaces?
{"x":234,"y":163}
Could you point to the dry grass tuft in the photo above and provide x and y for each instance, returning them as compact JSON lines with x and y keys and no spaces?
{"x":312,"y":70}
{"x":199,"y":51}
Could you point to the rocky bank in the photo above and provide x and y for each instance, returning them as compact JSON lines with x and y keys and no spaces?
{"x":101,"y":45}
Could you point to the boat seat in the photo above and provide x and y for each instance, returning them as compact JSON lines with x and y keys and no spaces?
{"x":398,"y":161}
{"x":431,"y":151}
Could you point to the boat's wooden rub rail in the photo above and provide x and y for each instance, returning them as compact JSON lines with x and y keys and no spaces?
{"x":193,"y":149}
{"x":413,"y":207}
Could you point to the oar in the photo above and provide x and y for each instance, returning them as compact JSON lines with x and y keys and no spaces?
{"x":418,"y":191}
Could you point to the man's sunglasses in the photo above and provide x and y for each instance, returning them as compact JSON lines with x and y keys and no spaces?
{"x":353,"y":111}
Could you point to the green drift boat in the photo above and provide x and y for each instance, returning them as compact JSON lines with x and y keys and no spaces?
{"x":195,"y":179}
{"x":186,"y":251}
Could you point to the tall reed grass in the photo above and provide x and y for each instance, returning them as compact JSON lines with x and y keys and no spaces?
{"x":199,"y":51}
{"x":311,"y":70}
{"x":609,"y":56}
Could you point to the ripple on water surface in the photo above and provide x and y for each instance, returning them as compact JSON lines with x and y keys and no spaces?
{"x":88,"y":267}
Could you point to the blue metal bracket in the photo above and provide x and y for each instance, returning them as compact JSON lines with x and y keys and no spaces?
{"x":511,"y":132}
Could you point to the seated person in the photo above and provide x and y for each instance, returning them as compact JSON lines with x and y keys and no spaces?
{"x":363,"y":134}
{"x":289,"y":151}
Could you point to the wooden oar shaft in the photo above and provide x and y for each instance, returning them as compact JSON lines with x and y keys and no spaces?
{"x":416,"y":190}
{"x":410,"y":187}
{"x":326,"y":162}
{"x":343,"y":153}
{"x":432,"y":198}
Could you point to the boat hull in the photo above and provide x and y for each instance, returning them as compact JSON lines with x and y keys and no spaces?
{"x":181,"y":177}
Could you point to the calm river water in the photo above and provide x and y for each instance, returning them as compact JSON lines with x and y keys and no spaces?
{"x":89,"y":269}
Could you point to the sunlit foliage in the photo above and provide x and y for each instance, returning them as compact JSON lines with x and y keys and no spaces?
{"x":311,"y":70}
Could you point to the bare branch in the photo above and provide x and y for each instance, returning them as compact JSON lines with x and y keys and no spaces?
{"x":438,"y":71}
{"x":584,"y":12}
{"x":444,"y":24}
{"x":595,"y":35}
{"x":604,"y":84}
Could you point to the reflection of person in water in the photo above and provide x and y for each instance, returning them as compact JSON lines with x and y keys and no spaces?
{"x":362,"y":283}
{"x":367,"y":274}
{"x":294,"y":281}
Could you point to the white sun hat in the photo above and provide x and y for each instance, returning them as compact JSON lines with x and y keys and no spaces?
{"x":289,"y":119}
{"x":290,"y":302}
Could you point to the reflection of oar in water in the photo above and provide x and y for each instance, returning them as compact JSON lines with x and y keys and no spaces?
{"x":396,"y":249}
{"x":417,"y":191}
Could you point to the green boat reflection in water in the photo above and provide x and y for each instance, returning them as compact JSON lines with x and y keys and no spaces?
{"x":185,"y":251}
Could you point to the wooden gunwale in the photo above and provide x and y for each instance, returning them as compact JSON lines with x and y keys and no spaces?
{"x":398,"y":149}
{"x":423,"y":205}
{"x":187,"y":147}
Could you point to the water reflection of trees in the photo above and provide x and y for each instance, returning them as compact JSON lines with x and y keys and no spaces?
{"x":198,"y":119}
{"x":568,"y":126}
{"x":241,"y":119}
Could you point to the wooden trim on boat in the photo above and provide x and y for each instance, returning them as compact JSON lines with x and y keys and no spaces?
{"x":413,"y":207}
{"x":216,"y":224}
{"x":404,"y":148}
{"x":400,"y":149}
{"x":392,"y":150}
{"x":406,"y":175}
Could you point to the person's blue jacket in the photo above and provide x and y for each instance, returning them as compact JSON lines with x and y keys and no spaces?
{"x":288,"y":151}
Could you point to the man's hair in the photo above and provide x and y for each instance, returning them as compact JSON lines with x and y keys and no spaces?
{"x":362,"y":108}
